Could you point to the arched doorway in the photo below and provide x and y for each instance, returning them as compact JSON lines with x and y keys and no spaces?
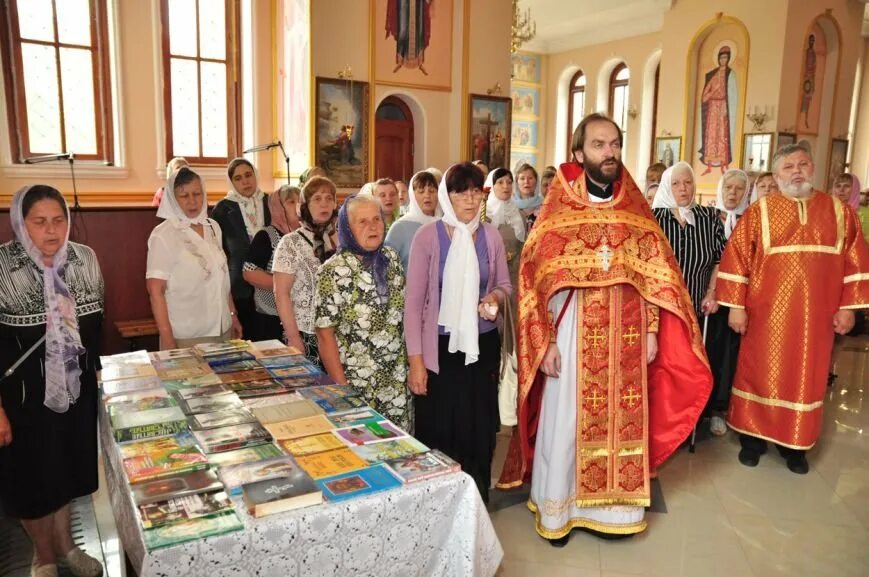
{"x":393,"y":140}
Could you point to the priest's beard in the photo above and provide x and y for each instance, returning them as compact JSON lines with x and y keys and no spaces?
{"x":603,"y":173}
{"x":801,"y":190}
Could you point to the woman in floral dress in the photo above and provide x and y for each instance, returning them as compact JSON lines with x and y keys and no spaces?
{"x":360,"y":309}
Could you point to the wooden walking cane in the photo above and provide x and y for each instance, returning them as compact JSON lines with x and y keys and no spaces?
{"x":691,"y":444}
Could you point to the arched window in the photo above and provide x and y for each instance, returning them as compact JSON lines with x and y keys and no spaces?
{"x":575,"y":104}
{"x":618,"y":105}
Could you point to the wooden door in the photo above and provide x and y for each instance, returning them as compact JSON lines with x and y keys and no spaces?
{"x":393,"y":140}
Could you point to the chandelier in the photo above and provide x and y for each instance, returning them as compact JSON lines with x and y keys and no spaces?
{"x":523,"y":28}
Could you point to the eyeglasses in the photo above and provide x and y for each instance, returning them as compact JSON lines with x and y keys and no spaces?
{"x":470,"y":194}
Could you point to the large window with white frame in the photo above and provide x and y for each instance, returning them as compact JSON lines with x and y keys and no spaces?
{"x":618,"y":100}
{"x":56,"y":76}
{"x":202,"y":88}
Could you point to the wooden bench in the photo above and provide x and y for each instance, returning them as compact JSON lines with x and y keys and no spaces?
{"x":133,"y":330}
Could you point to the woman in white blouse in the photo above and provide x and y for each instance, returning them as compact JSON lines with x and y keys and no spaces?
{"x":296,"y":260}
{"x":187,"y":276}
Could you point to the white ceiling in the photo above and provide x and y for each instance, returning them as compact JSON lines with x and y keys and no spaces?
{"x":567,"y":24}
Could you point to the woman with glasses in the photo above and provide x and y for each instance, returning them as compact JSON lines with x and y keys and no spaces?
{"x":457,"y":284}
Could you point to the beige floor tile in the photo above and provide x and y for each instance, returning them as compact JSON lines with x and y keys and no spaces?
{"x":514,"y":568}
{"x":686,"y":483}
{"x":795,"y":549}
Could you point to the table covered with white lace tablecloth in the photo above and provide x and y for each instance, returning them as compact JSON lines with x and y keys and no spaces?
{"x":435,"y":527}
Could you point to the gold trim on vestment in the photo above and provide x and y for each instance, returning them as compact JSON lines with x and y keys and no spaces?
{"x":733,"y":277}
{"x":855,"y":307}
{"x":770,"y":439}
{"x":576,"y":523}
{"x":731,"y":305}
{"x":855,"y":277}
{"x":800,"y":407}
{"x":792,"y":248}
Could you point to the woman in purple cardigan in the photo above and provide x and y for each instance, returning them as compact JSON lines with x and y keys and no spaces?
{"x":457,"y":281}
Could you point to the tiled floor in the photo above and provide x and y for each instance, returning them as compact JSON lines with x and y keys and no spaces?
{"x":727,"y":520}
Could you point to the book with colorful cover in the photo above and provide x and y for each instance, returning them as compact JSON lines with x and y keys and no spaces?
{"x":331,"y":463}
{"x":130,"y":365}
{"x":341,"y":404}
{"x":421,"y":466}
{"x":229,"y":417}
{"x":268,"y":401}
{"x":111,"y":388}
{"x":234,"y":476}
{"x":193,"y":382}
{"x":211,"y":403}
{"x":192,"y":530}
{"x":378,"y":452}
{"x":184,"y":372}
{"x":143,"y":396}
{"x":299,"y":427}
{"x":245,"y":455}
{"x":257,"y":388}
{"x":171,"y":354}
{"x":329,"y":392}
{"x":280,"y":411}
{"x":299,"y":371}
{"x":358,"y":483}
{"x":296,"y":383}
{"x":175,"y":486}
{"x":190,"y":362}
{"x":236,"y":367}
{"x":183,"y":509}
{"x":312,"y":444}
{"x":150,"y":460}
{"x":370,"y":433}
{"x":134,"y":426}
{"x":272,"y":348}
{"x":284,"y":361}
{"x":281,"y":494}
{"x":211,"y":349}
{"x":244,"y":376}
{"x":196,"y":392}
{"x":355,"y":417}
{"x":229,"y":438}
{"x":227,"y":358}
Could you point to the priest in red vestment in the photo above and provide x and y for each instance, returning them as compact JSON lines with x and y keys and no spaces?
{"x":795,"y":269}
{"x":612,"y":370}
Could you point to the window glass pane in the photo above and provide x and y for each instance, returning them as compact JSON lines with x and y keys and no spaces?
{"x":185,"y":108}
{"x":214,"y":129}
{"x":580,"y":81}
{"x":182,"y":27}
{"x":578,"y":108}
{"x":35,"y":20}
{"x":624,"y":74}
{"x":41,"y":96}
{"x":73,"y":22}
{"x":212,"y":29}
{"x":76,"y":69}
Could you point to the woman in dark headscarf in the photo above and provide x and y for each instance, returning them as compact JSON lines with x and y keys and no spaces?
{"x":51,"y":309}
{"x":359,"y":312}
{"x":297,"y":258}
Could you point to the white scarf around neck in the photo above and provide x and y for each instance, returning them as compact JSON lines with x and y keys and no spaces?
{"x":732,"y":215}
{"x":664,"y":197}
{"x":414,"y":212}
{"x":170,"y":209}
{"x":503,"y":211}
{"x":251,"y":206}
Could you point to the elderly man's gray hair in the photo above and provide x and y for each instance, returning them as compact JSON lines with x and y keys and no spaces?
{"x":787,"y":150}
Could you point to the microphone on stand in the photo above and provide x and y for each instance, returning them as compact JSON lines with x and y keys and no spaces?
{"x":69,"y":156}
{"x":269,"y":146}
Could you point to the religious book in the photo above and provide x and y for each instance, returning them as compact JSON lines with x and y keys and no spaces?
{"x":235,"y":416}
{"x":281,"y":494}
{"x":258,"y":388}
{"x":210,"y":403}
{"x":140,"y":398}
{"x":328,"y":392}
{"x":370,"y":433}
{"x":284,"y":361}
{"x":268,"y":401}
{"x":134,"y":426}
{"x":298,"y":383}
{"x":229,"y":438}
{"x":208,"y":380}
{"x":171,"y":354}
{"x":228,"y":358}
{"x":311,"y":444}
{"x":244,"y":376}
{"x":210,"y":349}
{"x":131,"y":370}
{"x":378,"y":452}
{"x":196,"y":392}
{"x":299,"y":427}
{"x":155,"y":458}
{"x":330,"y":463}
{"x":280,"y":411}
{"x":245,"y":455}
{"x":358,"y":483}
{"x":111,"y":388}
{"x":341,"y":404}
{"x":273,"y":348}
{"x":302,"y":370}
{"x":184,"y":373}
{"x":176,"y":486}
{"x":190,"y":362}
{"x":132,"y":358}
{"x":421,"y":466}
{"x":236,"y":367}
{"x":234,"y":476}
{"x":183,"y":509}
{"x":191,"y":530}
{"x":355,"y":417}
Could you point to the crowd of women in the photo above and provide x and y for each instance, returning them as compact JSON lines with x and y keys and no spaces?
{"x":405,"y":293}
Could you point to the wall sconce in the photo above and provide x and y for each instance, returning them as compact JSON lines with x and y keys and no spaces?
{"x":632,"y":111}
{"x":494,"y":90}
{"x":346,"y":74}
{"x":666,"y":133}
{"x":758,"y":116}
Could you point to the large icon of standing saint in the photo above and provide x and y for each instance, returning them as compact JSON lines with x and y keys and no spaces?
{"x":409,"y":22}
{"x":718,"y":114}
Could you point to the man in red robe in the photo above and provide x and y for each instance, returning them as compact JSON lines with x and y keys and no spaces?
{"x":612,"y":371}
{"x":794,"y":270}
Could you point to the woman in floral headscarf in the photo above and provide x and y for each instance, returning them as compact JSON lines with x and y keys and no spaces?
{"x":51,"y":291}
{"x":359,"y":312}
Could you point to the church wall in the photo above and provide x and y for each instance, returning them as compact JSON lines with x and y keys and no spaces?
{"x":860,"y":155}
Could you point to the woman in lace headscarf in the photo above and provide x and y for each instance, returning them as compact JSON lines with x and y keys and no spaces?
{"x":51,"y":291}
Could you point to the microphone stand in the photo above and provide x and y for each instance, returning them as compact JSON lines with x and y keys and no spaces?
{"x":269,"y":146}
{"x":69,"y":156}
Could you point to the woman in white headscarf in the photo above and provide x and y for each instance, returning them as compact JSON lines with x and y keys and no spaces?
{"x":51,"y":292}
{"x":695,"y":232}
{"x":457,"y":284}
{"x":732,"y":198}
{"x":187,"y":275}
{"x":241,"y":214}
{"x":422,"y":209}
